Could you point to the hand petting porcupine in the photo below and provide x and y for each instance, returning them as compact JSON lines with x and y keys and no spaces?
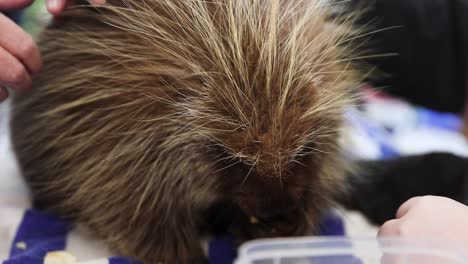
{"x":155,"y":123}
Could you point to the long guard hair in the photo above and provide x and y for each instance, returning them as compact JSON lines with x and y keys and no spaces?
{"x":150,"y":114}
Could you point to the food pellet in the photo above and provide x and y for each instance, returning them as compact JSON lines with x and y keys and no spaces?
{"x":253,"y":220}
{"x":21,"y":245}
{"x":59,"y":257}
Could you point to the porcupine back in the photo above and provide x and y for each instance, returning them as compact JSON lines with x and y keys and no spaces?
{"x":148,"y":113}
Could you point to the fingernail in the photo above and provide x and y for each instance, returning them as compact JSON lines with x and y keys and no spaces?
{"x":3,"y":94}
{"x":98,"y":2}
{"x":53,"y":5}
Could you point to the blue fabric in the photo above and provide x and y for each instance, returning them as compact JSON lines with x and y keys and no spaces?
{"x":446,"y":121}
{"x":222,"y":250}
{"x":25,"y":260}
{"x":332,"y":225}
{"x":115,"y":260}
{"x":42,"y":233}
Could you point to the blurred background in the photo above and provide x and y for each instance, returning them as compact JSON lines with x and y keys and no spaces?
{"x":33,"y":18}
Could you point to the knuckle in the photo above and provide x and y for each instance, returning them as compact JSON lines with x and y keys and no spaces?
{"x":389,"y":228}
{"x":421,"y":201}
{"x":402,"y":229}
{"x":27,"y":48}
{"x":16,"y":75}
{"x":384,"y":230}
{"x":427,"y":198}
{"x":426,"y":203}
{"x":394,"y":228}
{"x":414,"y":200}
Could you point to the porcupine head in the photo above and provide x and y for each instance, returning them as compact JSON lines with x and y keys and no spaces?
{"x":154,"y":122}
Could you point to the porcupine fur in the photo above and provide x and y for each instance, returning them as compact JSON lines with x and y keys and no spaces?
{"x":155,"y":122}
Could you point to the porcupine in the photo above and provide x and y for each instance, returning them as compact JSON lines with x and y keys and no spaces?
{"x":155,"y":122}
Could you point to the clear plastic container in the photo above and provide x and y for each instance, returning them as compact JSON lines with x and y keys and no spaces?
{"x":347,"y":251}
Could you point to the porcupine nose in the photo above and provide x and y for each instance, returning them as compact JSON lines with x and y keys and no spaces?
{"x":268,"y":206}
{"x":266,"y":198}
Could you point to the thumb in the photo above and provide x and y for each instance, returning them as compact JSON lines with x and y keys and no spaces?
{"x":56,"y":7}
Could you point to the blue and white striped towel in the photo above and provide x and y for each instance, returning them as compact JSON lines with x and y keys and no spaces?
{"x":29,"y":235}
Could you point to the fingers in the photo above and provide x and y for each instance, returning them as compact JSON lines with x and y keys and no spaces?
{"x":20,"y":45}
{"x":56,"y":7}
{"x":405,"y":207}
{"x":14,"y":4}
{"x":389,"y":228}
{"x":13,"y":72}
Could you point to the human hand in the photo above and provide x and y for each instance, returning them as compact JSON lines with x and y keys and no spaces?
{"x":430,"y":218}
{"x":19,"y":55}
{"x":55,"y":7}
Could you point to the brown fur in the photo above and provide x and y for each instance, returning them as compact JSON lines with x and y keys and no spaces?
{"x":148,"y":113}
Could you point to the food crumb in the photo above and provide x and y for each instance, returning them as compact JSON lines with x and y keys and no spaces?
{"x":59,"y":257}
{"x":21,"y":245}
{"x":253,"y":220}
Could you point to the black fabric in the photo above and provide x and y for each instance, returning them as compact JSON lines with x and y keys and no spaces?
{"x":14,"y":15}
{"x":380,"y":187}
{"x":431,"y":45}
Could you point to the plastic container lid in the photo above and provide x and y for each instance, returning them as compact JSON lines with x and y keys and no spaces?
{"x":347,"y":251}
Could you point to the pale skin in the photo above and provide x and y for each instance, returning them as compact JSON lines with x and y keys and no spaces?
{"x":430,"y":218}
{"x":20,"y":58}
